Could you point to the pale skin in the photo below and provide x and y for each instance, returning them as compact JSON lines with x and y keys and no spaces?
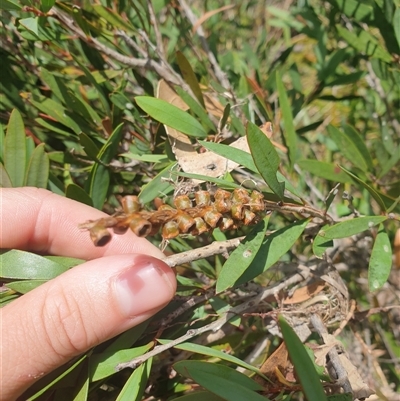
{"x":121,"y":285}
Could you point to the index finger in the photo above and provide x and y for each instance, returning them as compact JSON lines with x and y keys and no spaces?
{"x":38,"y":220}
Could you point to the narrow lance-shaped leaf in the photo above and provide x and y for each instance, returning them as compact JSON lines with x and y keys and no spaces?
{"x":265,"y":158}
{"x":302,"y":363}
{"x":37,"y":174}
{"x":380,"y":262}
{"x":242,"y":257}
{"x":171,"y":115}
{"x":289,"y":132}
{"x":15,"y":149}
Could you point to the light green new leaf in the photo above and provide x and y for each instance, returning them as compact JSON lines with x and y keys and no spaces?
{"x":23,"y":265}
{"x":135,"y":386}
{"x":25,"y":286}
{"x":37,"y":174}
{"x":265,"y":158}
{"x":171,"y":115}
{"x":15,"y":149}
{"x":272,"y":249}
{"x":354,"y":8}
{"x":221,"y":380}
{"x":115,"y":20}
{"x":242,"y":257}
{"x":351,"y":227}
{"x":31,"y":25}
{"x":289,"y":132}
{"x":348,"y":143}
{"x":328,"y":171}
{"x":303,"y":365}
{"x":5,"y":181}
{"x":380,"y":262}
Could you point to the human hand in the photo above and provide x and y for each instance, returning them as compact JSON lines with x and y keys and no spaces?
{"x":122,"y":284}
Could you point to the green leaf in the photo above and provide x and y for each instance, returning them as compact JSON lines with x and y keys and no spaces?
{"x":214,"y":353}
{"x":30,"y":24}
{"x":221,"y":380}
{"x":272,"y":249}
{"x":25,"y":286}
{"x":89,"y":146}
{"x":321,"y":244}
{"x":289,"y":132}
{"x":45,"y":5}
{"x":380,"y":262}
{"x":351,"y":146}
{"x":10,"y":5}
{"x":136,"y":384}
{"x":65,"y":261}
{"x":354,"y":8}
{"x":37,"y":174}
{"x":77,"y":193}
{"x":199,"y":396}
{"x":5,"y":181}
{"x":15,"y":149}
{"x":396,"y":24}
{"x":115,"y":20}
{"x":328,"y":171}
{"x":103,"y":365}
{"x":242,"y":257}
{"x":171,"y":115}
{"x":157,"y":186}
{"x":351,"y":227}
{"x":265,"y":158}
{"x":196,"y":108}
{"x":99,"y":178}
{"x":222,"y":183}
{"x":365,"y":43}
{"x":374,"y":193}
{"x":190,"y":77}
{"x":303,"y":365}
{"x":17,"y":264}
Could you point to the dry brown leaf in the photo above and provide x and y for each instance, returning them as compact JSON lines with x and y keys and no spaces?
{"x":304,"y":293}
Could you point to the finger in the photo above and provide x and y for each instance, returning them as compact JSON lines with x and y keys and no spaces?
{"x":79,"y":309}
{"x":40,"y":221}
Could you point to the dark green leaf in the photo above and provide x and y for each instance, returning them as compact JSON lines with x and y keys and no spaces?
{"x":15,"y":150}
{"x":221,"y":380}
{"x":303,"y":365}
{"x":17,"y":264}
{"x":89,"y":146}
{"x":242,"y":257}
{"x":289,"y":132}
{"x":189,"y":76}
{"x":321,"y":244}
{"x":45,"y":5}
{"x":225,"y":116}
{"x":380,"y":262}
{"x":77,"y":193}
{"x":265,"y":158}
{"x":10,"y":5}
{"x":37,"y":174}
{"x":113,"y":18}
{"x":396,"y":24}
{"x":103,"y":365}
{"x":199,"y":396}
{"x":272,"y":249}
{"x":171,"y":115}
{"x":354,"y":9}
{"x":351,"y":227}
{"x":222,"y":183}
{"x":135,"y":386}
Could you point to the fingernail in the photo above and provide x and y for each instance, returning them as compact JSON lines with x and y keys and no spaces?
{"x":143,"y":287}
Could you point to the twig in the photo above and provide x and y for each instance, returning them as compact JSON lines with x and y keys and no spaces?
{"x":214,"y":248}
{"x":217,"y":324}
{"x":341,"y":372}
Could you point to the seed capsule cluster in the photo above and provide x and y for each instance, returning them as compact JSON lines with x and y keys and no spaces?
{"x":224,"y":210}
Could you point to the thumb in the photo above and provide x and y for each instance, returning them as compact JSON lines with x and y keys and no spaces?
{"x":79,"y":309}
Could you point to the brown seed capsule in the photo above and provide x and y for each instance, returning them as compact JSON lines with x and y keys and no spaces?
{"x":130,"y":204}
{"x":212,"y":218}
{"x":140,"y":226}
{"x":182,"y":202}
{"x":170,"y":230}
{"x":185,"y":222}
{"x":120,"y":229}
{"x":240,"y":195}
{"x":237,"y":211}
{"x":202,"y":198}
{"x":226,"y":223}
{"x":249,"y":217}
{"x":256,"y":202}
{"x":200,"y":228}
{"x":99,"y":235}
{"x":222,"y":201}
